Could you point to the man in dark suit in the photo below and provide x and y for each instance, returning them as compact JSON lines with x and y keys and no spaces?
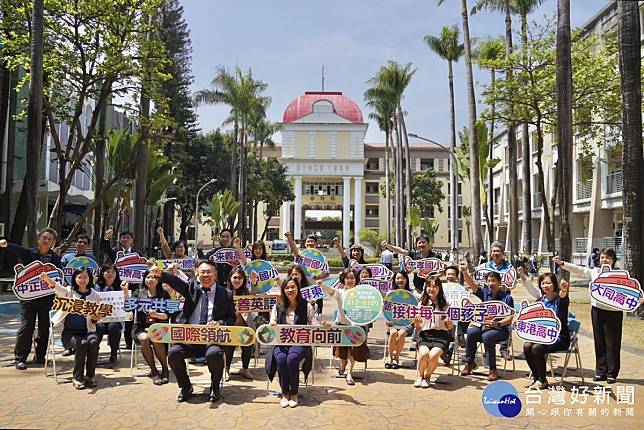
{"x":205,"y":303}
{"x":39,"y":308}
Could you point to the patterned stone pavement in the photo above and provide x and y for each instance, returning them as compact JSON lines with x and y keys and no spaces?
{"x":380,"y":399}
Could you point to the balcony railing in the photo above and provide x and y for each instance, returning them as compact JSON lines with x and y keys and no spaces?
{"x":584,"y":189}
{"x":581,"y":244}
{"x":496,"y":209}
{"x":613,"y":242}
{"x":614,"y":182}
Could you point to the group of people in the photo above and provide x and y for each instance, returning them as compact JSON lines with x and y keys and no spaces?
{"x":209,"y":289}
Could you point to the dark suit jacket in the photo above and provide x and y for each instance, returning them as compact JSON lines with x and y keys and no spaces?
{"x":111,"y":252}
{"x":223,"y":311}
{"x":26,"y":255}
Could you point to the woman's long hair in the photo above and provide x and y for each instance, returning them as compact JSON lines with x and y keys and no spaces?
{"x":440,"y":297}
{"x":101,"y":278}
{"x":305,"y":281}
{"x":284,"y":302}
{"x":553,"y":279}
{"x":241,"y":291}
{"x":261,"y":245}
{"x":90,"y":284}
{"x":404,"y":274}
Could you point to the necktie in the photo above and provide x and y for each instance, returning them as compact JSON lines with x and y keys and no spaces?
{"x":203,"y":316}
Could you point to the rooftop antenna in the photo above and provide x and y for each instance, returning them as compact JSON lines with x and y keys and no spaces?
{"x":322,"y":77}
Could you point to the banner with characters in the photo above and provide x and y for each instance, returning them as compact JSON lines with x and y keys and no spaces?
{"x":261,"y":276}
{"x":27,"y":284}
{"x":77,"y":263}
{"x":617,"y":289}
{"x":131,"y":266}
{"x":201,"y":334}
{"x":86,"y":308}
{"x":378,"y":271}
{"x":538,"y":324}
{"x":310,"y":335}
{"x":424,"y":267}
{"x":313,"y":261}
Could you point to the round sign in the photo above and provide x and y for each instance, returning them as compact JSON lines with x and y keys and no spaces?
{"x":265,"y":274}
{"x":362,"y":304}
{"x":398,"y":297}
{"x":77,"y":263}
{"x":313,"y":262}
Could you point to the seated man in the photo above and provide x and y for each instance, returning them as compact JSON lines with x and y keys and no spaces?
{"x":491,"y":332}
{"x":206,"y":303}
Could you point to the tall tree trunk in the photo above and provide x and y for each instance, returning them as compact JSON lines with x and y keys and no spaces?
{"x":630,"y":63}
{"x":453,"y":176}
{"x":6,"y":77}
{"x":564,"y":128}
{"x":388,"y":197}
{"x":545,"y":208}
{"x":233,"y":160}
{"x":408,"y":225}
{"x":398,"y":186}
{"x":99,"y":177}
{"x":513,"y":221}
{"x":527,"y":160}
{"x":490,"y":174}
{"x":475,"y":176}
{"x":34,"y":123}
{"x":243,"y":169}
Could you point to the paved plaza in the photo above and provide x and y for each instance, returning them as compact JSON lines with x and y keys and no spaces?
{"x":380,"y":399}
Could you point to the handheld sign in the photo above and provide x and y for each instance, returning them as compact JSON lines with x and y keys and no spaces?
{"x":378,"y":271}
{"x":131,"y":266}
{"x":362,"y":304}
{"x":455,"y":293}
{"x":617,"y":289}
{"x":27,"y":283}
{"x":201,"y":334}
{"x":310,"y":335}
{"x":82,"y":307}
{"x":538,"y":324}
{"x":508,"y":278}
{"x":117,"y":301}
{"x":77,"y":263}
{"x":226,"y":255}
{"x":381,"y":285}
{"x":480,"y":313}
{"x":147,"y":304}
{"x":424,"y":267}
{"x":260,"y":303}
{"x":398,"y":315}
{"x":314,"y":292}
{"x":313,"y":262}
{"x":181,"y":263}
{"x":267,"y":276}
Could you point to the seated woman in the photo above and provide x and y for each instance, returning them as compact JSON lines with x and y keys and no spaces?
{"x":79,"y":332}
{"x":491,"y":332}
{"x":556,"y":299}
{"x":237,"y":283}
{"x":109,"y":280}
{"x":292,"y":309}
{"x":397,"y":335}
{"x":434,"y":333}
{"x":152,"y":289}
{"x":346,"y":353}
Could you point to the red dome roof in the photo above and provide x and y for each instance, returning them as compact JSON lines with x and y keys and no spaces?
{"x":342,"y":105}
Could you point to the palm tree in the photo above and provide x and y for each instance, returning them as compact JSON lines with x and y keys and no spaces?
{"x":473,"y":141}
{"x":564,"y":127}
{"x":631,"y":92}
{"x":486,"y":53}
{"x":242,"y":93}
{"x":391,"y":81}
{"x":383,"y":113}
{"x":448,"y":47}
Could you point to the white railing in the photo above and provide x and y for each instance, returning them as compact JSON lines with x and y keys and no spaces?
{"x":614,"y":182}
{"x":584,"y":189}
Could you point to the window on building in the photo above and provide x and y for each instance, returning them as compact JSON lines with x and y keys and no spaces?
{"x":426,"y":163}
{"x":373,"y":164}
{"x":372,"y":211}
{"x":371,"y":188}
{"x":460,"y":188}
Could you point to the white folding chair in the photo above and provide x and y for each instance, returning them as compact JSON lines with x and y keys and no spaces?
{"x":573,"y":327}
{"x":52,"y":343}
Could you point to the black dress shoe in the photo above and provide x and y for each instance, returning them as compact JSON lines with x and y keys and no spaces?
{"x":598,"y":378}
{"x":184,"y":394}
{"x":39,"y":360}
{"x":611,"y":380}
{"x":67,"y":352}
{"x":214,"y":396}
{"x":21,"y":365}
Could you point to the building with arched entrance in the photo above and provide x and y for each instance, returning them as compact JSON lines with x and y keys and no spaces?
{"x":332,"y":169}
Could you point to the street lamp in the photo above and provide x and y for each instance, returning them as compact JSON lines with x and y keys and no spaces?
{"x":453,"y":175}
{"x":212,"y":181}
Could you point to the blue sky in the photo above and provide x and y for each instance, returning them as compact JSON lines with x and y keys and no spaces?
{"x":285,"y":43}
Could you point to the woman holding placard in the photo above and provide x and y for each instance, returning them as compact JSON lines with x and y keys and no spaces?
{"x":109,"y":280}
{"x":237,"y":283}
{"x":79,"y":331}
{"x":152,"y":289}
{"x":397,"y":335}
{"x":365,"y":273}
{"x":556,"y":299}
{"x":346,"y":353}
{"x":291,"y":309}
{"x":434,"y":333}
{"x":607,"y":322}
